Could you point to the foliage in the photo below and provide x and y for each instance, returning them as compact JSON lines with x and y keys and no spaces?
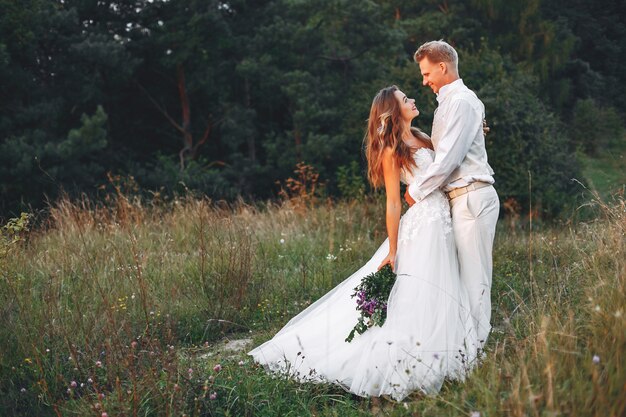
{"x":304,"y":189}
{"x":527,"y":146}
{"x":226,"y":98}
{"x":350,"y":181}
{"x":12,"y":233}
{"x":594,"y":127}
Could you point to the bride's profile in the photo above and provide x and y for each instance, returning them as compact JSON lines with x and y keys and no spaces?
{"x":428,"y":334}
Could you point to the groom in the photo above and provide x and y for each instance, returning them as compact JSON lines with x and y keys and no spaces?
{"x":462,"y":171}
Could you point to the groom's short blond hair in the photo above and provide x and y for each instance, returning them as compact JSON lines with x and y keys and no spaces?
{"x":438,"y":51}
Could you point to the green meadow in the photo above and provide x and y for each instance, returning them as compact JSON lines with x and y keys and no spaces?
{"x":124,"y":309}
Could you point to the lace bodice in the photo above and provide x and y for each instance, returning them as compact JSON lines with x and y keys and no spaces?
{"x":433,"y":210}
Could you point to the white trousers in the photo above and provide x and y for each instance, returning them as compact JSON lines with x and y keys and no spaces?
{"x":474,"y":218}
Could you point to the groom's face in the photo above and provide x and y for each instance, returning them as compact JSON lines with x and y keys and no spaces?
{"x":433,"y":74}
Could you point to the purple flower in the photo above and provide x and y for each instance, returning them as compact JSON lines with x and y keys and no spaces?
{"x":595,"y":359}
{"x":213,"y":395}
{"x":73,"y":384}
{"x":217,"y":368}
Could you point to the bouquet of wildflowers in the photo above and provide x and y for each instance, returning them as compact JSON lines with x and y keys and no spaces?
{"x":371,"y":299}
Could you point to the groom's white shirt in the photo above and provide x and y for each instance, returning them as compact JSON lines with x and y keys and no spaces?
{"x":459,"y":142}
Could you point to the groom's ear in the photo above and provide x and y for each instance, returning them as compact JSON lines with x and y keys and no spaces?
{"x":444,"y":67}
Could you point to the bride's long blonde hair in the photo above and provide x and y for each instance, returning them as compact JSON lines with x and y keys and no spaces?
{"x":384,"y":129}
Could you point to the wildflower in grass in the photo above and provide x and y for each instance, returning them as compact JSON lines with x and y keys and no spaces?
{"x":89,"y":380}
{"x":101,"y":396}
{"x":475,"y":414}
{"x":282,"y":241}
{"x":98,"y":364}
{"x":217,"y":368}
{"x":133,"y":344}
{"x":598,"y":309}
{"x":241,"y":363}
{"x":595,"y":359}
{"x":213,"y":395}
{"x":190,"y":371}
{"x":73,"y":384}
{"x":69,"y":390}
{"x":104,"y":414}
{"x":331,"y":257}
{"x":23,"y":390}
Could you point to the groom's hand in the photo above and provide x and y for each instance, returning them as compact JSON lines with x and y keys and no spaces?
{"x":408,"y":197}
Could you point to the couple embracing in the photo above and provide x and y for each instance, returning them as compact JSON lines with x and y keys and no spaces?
{"x":439,"y":308}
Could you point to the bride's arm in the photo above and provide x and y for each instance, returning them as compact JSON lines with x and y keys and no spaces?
{"x":391,"y":174}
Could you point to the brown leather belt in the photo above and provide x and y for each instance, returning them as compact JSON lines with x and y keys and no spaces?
{"x":457,"y":192}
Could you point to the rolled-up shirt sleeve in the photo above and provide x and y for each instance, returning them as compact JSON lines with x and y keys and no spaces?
{"x":454,"y":144}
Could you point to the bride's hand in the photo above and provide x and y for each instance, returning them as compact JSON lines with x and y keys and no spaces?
{"x":486,"y":128}
{"x":389,"y":259}
{"x":408,"y":198}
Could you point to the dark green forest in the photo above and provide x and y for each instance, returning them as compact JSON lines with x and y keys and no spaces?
{"x":224,"y":98}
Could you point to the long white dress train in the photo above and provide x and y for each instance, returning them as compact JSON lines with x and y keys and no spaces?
{"x":428,"y":334}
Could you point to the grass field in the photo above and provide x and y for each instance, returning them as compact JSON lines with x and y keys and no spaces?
{"x":122,"y":309}
{"x":606,"y":173}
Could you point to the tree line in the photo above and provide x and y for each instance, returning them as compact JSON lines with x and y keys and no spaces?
{"x":226,"y":98}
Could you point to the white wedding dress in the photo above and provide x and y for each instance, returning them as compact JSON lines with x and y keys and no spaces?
{"x":428,"y":334}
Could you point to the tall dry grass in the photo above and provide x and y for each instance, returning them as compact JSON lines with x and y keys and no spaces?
{"x":107,"y":308}
{"x":110,"y":293}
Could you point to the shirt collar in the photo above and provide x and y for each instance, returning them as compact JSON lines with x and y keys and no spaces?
{"x":449,"y":88}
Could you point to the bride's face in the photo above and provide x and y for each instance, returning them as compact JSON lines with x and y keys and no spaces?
{"x":408,"y":111}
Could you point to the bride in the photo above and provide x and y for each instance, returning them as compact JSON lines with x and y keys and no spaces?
{"x":428,"y":334}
